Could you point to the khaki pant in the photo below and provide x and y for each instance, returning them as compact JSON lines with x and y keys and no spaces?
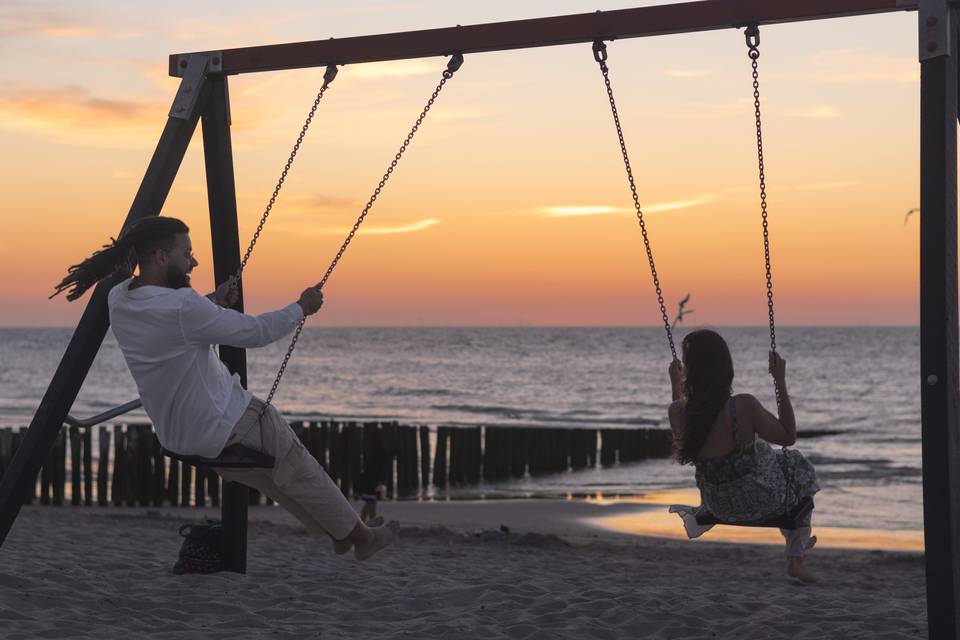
{"x":297,"y":482}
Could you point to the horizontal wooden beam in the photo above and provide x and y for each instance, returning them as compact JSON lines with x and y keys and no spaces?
{"x":684,"y":17}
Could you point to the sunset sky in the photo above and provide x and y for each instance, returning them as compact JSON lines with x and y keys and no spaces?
{"x":511,"y":206}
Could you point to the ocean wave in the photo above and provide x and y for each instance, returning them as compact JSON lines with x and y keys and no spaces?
{"x":404,"y":392}
{"x":543,"y":417}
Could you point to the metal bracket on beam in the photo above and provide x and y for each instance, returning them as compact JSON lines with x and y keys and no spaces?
{"x":934,"y":25}
{"x":195,"y":68}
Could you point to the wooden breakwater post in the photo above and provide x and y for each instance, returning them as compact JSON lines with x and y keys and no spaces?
{"x":6,"y":449}
{"x":58,"y":472}
{"x":408,"y":465}
{"x":103,"y":466}
{"x":88,"y":466}
{"x":139,"y":475}
{"x":119,"y":458}
{"x":424,"y":456}
{"x":440,"y":457}
{"x":456,"y":474}
{"x":75,"y":493}
{"x":333,"y":444}
{"x":356,"y":459}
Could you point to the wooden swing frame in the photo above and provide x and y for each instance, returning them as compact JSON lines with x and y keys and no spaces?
{"x":203,"y":96}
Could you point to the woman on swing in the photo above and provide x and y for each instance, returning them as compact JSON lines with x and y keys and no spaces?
{"x":727,"y":438}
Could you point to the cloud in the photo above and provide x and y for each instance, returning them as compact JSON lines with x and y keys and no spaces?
{"x":394,"y":69}
{"x":297,"y":204}
{"x":568,"y":211}
{"x":825,"y":186}
{"x":71,"y":114}
{"x":686,"y":73}
{"x":815,"y":186}
{"x":858,"y":65}
{"x":365,"y":230}
{"x":18,"y":20}
{"x":821,"y":111}
{"x":704,"y":110}
{"x":382,"y":8}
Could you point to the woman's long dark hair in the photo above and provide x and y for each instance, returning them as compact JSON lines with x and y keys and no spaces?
{"x":707,"y":382}
{"x":139,"y":239}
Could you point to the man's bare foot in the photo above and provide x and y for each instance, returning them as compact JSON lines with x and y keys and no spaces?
{"x":796,"y":569}
{"x":381,"y":537}
{"x":810,"y":543}
{"x":340,"y":547}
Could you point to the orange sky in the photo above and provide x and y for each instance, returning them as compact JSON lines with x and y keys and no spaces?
{"x":476,"y":225}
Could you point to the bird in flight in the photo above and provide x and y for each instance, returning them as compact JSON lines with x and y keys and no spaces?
{"x":910,"y":213}
{"x":681,"y":311}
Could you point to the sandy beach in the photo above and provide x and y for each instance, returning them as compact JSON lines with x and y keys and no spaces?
{"x":106,"y":573}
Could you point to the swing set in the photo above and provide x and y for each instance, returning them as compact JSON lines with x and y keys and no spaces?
{"x":203,"y":97}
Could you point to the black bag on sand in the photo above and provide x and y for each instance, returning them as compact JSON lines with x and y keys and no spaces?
{"x":200,"y":551}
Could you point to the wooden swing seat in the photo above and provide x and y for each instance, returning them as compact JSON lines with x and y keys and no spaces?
{"x":234,"y":456}
{"x":791,"y":520}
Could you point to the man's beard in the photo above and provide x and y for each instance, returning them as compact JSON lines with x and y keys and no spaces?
{"x":177,"y":278}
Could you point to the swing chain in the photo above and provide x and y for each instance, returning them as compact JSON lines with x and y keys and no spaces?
{"x":452,"y":66}
{"x":328,"y":76}
{"x":600,"y":55}
{"x":752,"y":37}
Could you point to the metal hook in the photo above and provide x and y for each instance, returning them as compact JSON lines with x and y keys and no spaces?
{"x":456,"y":61}
{"x":752,"y":35}
{"x":599,"y":51}
{"x":330,"y":73}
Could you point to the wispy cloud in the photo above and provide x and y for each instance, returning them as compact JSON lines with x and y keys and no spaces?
{"x":71,"y":114}
{"x":568,"y":211}
{"x":365,"y":230}
{"x":587,"y":210}
{"x":395,"y":69}
{"x":815,"y":186}
{"x":300,"y":204}
{"x":853,"y":65}
{"x":827,"y":186}
{"x":17,"y":19}
{"x":381,"y":8}
{"x":704,"y":110}
{"x":686,"y":73}
{"x":820,"y":111}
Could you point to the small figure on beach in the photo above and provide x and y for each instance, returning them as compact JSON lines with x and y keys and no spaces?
{"x":727,"y":438}
{"x":167,"y":333}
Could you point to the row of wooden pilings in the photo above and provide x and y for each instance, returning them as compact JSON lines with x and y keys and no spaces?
{"x":138,"y":474}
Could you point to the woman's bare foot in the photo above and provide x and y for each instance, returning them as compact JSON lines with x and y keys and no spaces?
{"x":796,"y":569}
{"x":379,"y":538}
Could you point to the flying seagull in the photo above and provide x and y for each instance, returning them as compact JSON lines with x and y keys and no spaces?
{"x":681,"y":311}
{"x":909,"y":213}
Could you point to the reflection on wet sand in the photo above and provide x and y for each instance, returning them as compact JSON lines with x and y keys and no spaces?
{"x":658,"y":522}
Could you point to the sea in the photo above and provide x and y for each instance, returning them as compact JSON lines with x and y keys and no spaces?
{"x":855,"y":392}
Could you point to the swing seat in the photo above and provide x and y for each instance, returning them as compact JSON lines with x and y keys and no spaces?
{"x":235,"y":456}
{"x":789,"y":520}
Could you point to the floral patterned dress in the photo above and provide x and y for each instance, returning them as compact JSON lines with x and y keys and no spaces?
{"x":753,"y":482}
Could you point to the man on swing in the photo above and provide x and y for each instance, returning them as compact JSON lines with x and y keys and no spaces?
{"x":167,"y":332}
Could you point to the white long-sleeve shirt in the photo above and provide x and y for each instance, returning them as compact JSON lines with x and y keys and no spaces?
{"x":167,"y":338}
